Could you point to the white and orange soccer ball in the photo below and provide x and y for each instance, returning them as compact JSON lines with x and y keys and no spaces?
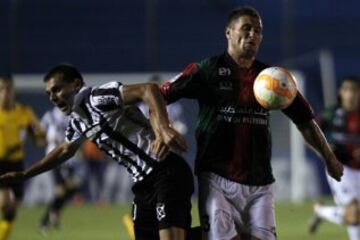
{"x":275,"y":88}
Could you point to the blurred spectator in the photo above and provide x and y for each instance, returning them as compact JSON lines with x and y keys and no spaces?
{"x":68,"y":177}
{"x":341,"y":124}
{"x":117,"y":184}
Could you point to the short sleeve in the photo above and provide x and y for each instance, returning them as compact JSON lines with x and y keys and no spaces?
{"x":107,"y":97}
{"x":299,"y":110}
{"x":73,"y":131}
{"x":187,"y":84}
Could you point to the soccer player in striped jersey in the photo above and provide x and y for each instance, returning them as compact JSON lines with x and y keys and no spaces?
{"x":234,"y":141}
{"x":107,"y":116}
{"x":16,"y":121}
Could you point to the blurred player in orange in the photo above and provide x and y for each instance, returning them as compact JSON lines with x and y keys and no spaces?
{"x":341,"y":123}
{"x":16,"y":120}
{"x":96,"y":163}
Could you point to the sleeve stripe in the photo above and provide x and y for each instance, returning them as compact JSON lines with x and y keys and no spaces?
{"x":69,"y":134}
{"x":107,"y":107}
{"x":101,"y":92}
{"x":85,"y":110}
{"x":76,"y":124}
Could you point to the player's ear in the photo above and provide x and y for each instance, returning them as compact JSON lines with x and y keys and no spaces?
{"x":227,"y":33}
{"x":78,"y":84}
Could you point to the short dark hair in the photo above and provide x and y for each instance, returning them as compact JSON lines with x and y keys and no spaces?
{"x":241,"y":11}
{"x":351,"y":78}
{"x":67,"y":72}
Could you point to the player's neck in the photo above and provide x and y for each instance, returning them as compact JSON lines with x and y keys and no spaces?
{"x":241,"y":61}
{"x":7,"y":105}
{"x":349,"y":107}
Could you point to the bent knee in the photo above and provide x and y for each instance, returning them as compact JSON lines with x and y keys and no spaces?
{"x":172,"y":233}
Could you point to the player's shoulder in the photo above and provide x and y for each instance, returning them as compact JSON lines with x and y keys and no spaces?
{"x":327,"y":115}
{"x":109,"y":88}
{"x":101,"y":88}
{"x":212,"y":60}
{"x":260,"y":65}
{"x":22,"y":109}
{"x":202,"y":65}
{"x":332,"y":110}
{"x":21,"y":106}
{"x":106,"y":97}
{"x":82,"y":95}
{"x":103,"y":93}
{"x":207,"y":65}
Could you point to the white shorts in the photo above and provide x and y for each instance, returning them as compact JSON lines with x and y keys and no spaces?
{"x":228,"y":208}
{"x":348,"y":188}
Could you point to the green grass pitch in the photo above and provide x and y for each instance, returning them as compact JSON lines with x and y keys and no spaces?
{"x":94,"y":223}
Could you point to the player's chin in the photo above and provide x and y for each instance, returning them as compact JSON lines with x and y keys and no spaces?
{"x":249,"y":53}
{"x":65,"y":110}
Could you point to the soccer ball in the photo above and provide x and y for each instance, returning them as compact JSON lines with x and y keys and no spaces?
{"x":275,"y":88}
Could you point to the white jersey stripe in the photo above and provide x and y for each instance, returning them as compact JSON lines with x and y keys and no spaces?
{"x":123,"y":133}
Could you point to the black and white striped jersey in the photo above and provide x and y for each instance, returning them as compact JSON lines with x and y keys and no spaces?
{"x":121,"y":131}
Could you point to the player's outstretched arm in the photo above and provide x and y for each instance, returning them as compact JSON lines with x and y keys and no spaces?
{"x":150,"y":94}
{"x":50,"y":161}
{"x":317,"y":141}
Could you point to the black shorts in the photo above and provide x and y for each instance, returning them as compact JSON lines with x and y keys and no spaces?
{"x":163,"y":199}
{"x":17,"y":188}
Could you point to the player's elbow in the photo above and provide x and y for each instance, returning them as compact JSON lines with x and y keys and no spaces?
{"x":150,"y":90}
{"x":67,"y":150}
{"x":306,"y":126}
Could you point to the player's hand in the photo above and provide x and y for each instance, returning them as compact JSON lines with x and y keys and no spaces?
{"x":335,"y":169}
{"x":12,"y":177}
{"x":159,"y":148}
{"x":173,"y":139}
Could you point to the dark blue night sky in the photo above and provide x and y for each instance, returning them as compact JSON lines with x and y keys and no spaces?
{"x":117,"y":36}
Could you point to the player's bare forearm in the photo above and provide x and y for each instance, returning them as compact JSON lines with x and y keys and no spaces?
{"x":160,"y":122}
{"x":151,"y":96}
{"x":315,"y":138}
{"x":51,"y":160}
